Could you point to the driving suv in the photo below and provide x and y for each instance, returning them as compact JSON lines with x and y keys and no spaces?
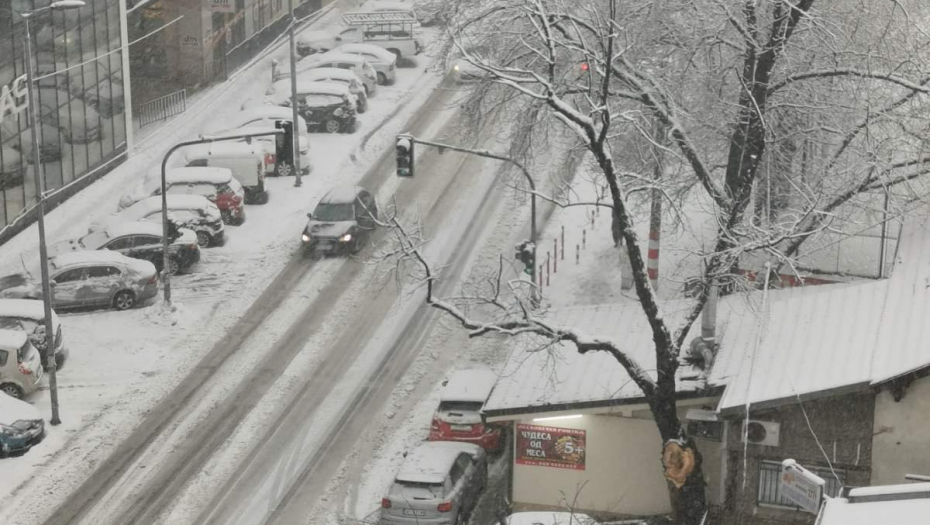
{"x":342,"y":222}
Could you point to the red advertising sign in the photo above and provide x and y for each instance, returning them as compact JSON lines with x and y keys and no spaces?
{"x":550,"y":447}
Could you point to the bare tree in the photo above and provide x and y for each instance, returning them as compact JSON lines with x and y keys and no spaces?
{"x":831,"y":95}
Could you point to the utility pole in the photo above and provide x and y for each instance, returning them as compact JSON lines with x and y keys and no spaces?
{"x":295,"y":129}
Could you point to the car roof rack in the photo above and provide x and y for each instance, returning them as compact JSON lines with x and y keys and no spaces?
{"x":378,"y":17}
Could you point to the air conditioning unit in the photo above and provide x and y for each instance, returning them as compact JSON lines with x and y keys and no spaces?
{"x":761,"y":432}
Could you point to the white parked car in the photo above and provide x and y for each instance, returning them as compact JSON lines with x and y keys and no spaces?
{"x":20,"y":370}
{"x":28,"y":316}
{"x":282,"y":88}
{"x":438,"y":483}
{"x":193,"y":212}
{"x":384,"y":62}
{"x":354,"y":63}
{"x":216,"y":184}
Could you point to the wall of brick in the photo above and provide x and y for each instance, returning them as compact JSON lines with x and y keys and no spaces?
{"x":843,"y":426}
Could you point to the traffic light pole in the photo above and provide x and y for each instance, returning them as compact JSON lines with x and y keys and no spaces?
{"x":529,"y":180}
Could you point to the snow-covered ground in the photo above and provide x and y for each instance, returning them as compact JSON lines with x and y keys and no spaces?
{"x":122,"y":363}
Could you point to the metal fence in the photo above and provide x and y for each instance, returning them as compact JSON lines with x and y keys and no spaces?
{"x":162,"y":108}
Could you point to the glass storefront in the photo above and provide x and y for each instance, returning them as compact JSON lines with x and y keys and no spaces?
{"x":79,"y":89}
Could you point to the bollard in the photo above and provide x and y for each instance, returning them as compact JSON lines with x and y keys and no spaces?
{"x":563,"y":242}
{"x":584,"y":238}
{"x":540,"y":275}
{"x":547,"y":268}
{"x":577,"y":255}
{"x":555,"y":260}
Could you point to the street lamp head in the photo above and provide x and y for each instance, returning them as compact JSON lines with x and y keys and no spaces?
{"x":67,"y":4}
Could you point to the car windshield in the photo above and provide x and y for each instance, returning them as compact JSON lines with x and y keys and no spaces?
{"x":412,"y":490}
{"x":94,"y":240}
{"x":318,"y":100}
{"x":12,"y":281}
{"x":207,"y":190}
{"x":460,"y":406}
{"x":334,"y":212}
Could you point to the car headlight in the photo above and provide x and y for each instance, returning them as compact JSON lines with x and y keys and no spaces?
{"x":338,"y":112}
{"x":346,"y":238}
{"x":305,"y":238}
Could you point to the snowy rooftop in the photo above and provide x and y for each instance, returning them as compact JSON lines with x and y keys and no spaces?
{"x":469,"y":385}
{"x":371,"y":49}
{"x":11,"y":340}
{"x":432,"y":460}
{"x":336,"y":55}
{"x":832,"y":338}
{"x":133,"y":228}
{"x":340,"y":194}
{"x":223,"y":149}
{"x":560,"y":375}
{"x":101,"y":256}
{"x":312,"y":75}
{"x":175,"y":202}
{"x":26,"y":309}
{"x":894,"y":504}
{"x":205,"y":174}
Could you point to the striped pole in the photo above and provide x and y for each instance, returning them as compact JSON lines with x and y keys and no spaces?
{"x":655,"y":225}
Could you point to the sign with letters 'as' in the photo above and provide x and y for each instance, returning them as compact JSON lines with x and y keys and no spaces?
{"x":13,"y":98}
{"x":550,"y":447}
{"x":222,"y":6}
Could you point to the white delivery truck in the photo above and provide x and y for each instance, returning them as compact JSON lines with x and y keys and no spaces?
{"x":391,"y":30}
{"x":246,"y":161}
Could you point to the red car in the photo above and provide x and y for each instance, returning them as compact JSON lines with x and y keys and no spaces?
{"x":216,"y":184}
{"x":458,"y":417}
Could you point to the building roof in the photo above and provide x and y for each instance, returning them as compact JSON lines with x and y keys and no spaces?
{"x":432,"y":460}
{"x":12,"y":340}
{"x":558,"y":376}
{"x":906,"y":504}
{"x":469,"y":385}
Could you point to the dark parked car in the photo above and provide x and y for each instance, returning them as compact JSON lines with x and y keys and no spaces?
{"x":329,"y":110}
{"x":139,"y":240}
{"x":21,"y":426}
{"x":341,"y":223}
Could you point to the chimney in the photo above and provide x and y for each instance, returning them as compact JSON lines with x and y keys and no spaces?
{"x":709,"y":318}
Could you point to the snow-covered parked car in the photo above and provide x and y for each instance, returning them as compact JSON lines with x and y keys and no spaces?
{"x":438,"y":483}
{"x":139,"y":240}
{"x":322,"y":74}
{"x":89,"y":279}
{"x":326,"y":106}
{"x":458,"y":417}
{"x":384,"y":62}
{"x":342,"y":222}
{"x":548,"y":518}
{"x":21,"y":426}
{"x":267,"y":117}
{"x":354,"y":63}
{"x":193,"y":212}
{"x":28,"y":316}
{"x":249,"y":163}
{"x":216,"y":184}
{"x":20,"y":366}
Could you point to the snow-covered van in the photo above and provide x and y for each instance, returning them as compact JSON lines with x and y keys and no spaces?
{"x":246,"y":161}
{"x":390,"y":30}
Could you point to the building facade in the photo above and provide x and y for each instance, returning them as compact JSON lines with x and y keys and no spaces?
{"x":82,"y":98}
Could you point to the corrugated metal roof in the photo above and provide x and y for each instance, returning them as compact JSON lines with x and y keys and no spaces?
{"x":559,"y":375}
{"x":903,"y":342}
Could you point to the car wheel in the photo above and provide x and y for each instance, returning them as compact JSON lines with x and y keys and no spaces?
{"x":227,"y":216}
{"x":203,"y":239}
{"x":283,"y":169}
{"x":12,"y":390}
{"x":59,"y":361}
{"x":362,"y":105}
{"x":173,"y":266}
{"x":124,"y":300}
{"x":332,"y":126}
{"x":382,"y":78}
{"x":262,"y":198}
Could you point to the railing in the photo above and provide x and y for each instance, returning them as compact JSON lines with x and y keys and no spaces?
{"x":163,"y":108}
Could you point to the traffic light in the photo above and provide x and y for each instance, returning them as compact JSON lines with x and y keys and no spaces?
{"x":526,"y":254}
{"x":584,"y":67}
{"x":405,"y":156}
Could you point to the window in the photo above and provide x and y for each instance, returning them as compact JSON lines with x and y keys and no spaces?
{"x":122,"y":243}
{"x":69,"y":276}
{"x":456,"y":473}
{"x":4,"y":355}
{"x":102,"y":271}
{"x":146,"y":240}
{"x":770,"y":485}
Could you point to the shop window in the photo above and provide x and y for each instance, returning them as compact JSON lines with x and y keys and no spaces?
{"x":770,"y":485}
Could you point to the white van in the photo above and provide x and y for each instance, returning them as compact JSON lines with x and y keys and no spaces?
{"x":246,"y":161}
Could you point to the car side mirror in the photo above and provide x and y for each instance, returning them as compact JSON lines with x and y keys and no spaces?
{"x":310,"y":216}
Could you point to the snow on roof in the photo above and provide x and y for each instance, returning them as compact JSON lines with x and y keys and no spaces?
{"x":812,"y":341}
{"x":432,"y":460}
{"x":559,"y":376}
{"x":370,"y":49}
{"x":323,"y":72}
{"x":901,"y":345}
{"x":12,"y":340}
{"x":324,"y":87}
{"x":13,"y":410}
{"x":549,"y":518}
{"x":879,"y":506}
{"x":101,"y":256}
{"x":133,"y":227}
{"x":26,"y":309}
{"x":332,"y":56}
{"x":223,"y":149}
{"x":207,"y":175}
{"x":340,"y":195}
{"x":469,"y":385}
{"x":174,"y":202}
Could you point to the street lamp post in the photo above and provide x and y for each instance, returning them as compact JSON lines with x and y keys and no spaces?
{"x":166,"y":276}
{"x":295,"y":131}
{"x":50,"y":361}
